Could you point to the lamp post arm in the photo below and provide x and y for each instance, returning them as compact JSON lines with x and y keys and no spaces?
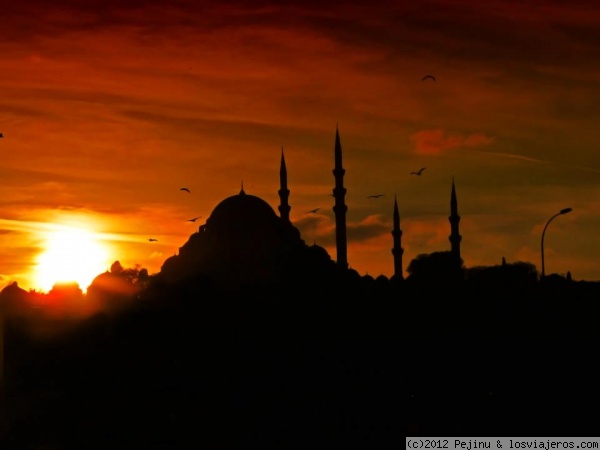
{"x":543,"y":234}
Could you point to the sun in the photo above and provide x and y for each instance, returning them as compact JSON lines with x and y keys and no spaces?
{"x":70,"y":254}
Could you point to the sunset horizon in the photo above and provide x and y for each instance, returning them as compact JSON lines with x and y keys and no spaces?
{"x":110,"y":109}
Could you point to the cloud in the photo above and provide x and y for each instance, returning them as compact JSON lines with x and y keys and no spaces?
{"x":435,"y":142}
{"x":317,"y":228}
{"x":519,"y":157}
{"x":370,"y":227}
{"x":321,"y":229}
{"x":478,"y":140}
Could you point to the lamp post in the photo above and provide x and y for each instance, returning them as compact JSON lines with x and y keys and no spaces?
{"x":561,"y":212}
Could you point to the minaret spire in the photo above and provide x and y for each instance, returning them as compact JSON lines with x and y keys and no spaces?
{"x":454,"y":219}
{"x":340,"y":208}
{"x":284,"y":192}
{"x":397,"y":249}
{"x":242,"y":190}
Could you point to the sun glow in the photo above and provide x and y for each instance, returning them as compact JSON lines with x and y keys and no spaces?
{"x":70,"y":254}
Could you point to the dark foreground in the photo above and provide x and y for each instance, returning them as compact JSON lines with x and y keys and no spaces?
{"x":262,"y":372}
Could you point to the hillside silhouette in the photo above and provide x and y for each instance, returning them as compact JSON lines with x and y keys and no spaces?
{"x":248,"y":337}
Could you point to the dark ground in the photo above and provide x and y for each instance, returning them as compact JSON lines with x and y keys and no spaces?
{"x":254,"y":373}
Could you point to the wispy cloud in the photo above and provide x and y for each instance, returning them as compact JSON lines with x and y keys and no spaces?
{"x":434,"y":142}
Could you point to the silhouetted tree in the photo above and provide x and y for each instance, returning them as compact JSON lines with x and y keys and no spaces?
{"x":439,"y":269}
{"x":116,"y":268}
{"x":118,"y":288}
{"x":504,"y":276}
{"x":14,"y":300}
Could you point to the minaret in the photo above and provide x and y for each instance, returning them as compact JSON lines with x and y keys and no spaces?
{"x":454,"y":219}
{"x":284,"y":192}
{"x":340,"y":208}
{"x":397,"y":250}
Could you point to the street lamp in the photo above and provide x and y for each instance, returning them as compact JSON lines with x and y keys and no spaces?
{"x":562,"y":211}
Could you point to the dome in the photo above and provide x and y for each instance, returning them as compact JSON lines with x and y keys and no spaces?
{"x":242,"y":212}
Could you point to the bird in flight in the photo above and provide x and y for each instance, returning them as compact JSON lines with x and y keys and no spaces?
{"x":1,"y":135}
{"x":185,"y":189}
{"x":194,"y":219}
{"x":313,"y":210}
{"x":419,"y":172}
{"x":153,"y":240}
{"x":375,"y":196}
{"x":428,"y":77}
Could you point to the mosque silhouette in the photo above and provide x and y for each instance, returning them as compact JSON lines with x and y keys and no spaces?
{"x":245,"y":241}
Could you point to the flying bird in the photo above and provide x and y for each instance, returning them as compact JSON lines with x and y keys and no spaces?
{"x":419,"y":172}
{"x":430,"y":77}
{"x":194,"y":219}
{"x":375,"y":196}
{"x":153,"y":240}
{"x":313,"y":210}
{"x":185,"y":189}
{"x":1,"y":135}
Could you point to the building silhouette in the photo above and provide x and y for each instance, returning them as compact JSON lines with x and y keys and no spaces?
{"x":245,"y":241}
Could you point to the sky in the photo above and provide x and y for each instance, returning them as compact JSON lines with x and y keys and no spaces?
{"x":109,"y":107}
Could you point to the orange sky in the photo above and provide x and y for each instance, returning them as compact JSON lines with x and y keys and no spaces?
{"x":107,"y":110}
